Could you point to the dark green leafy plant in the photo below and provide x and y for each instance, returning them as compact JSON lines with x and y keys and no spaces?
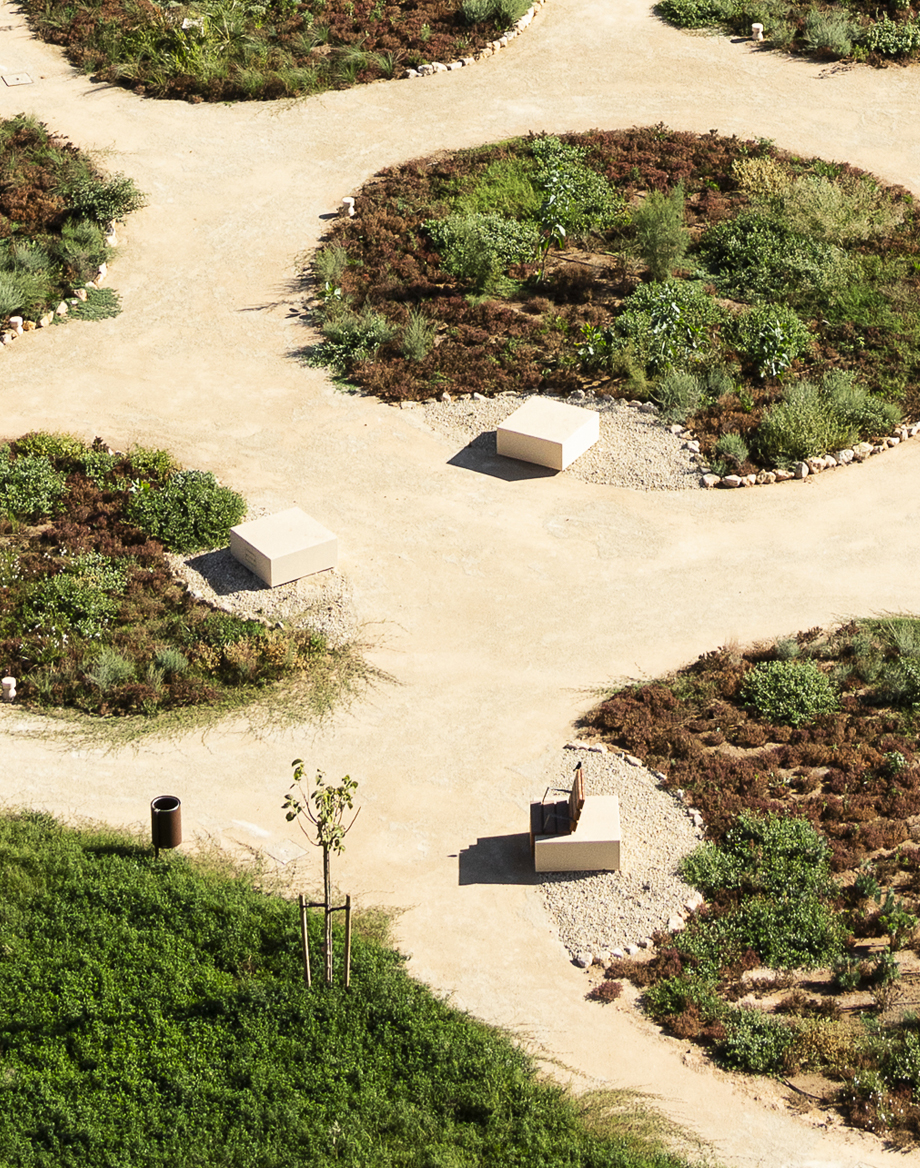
{"x":479,"y":247}
{"x":791,"y":692}
{"x":771,"y":337}
{"x":29,"y":486}
{"x":669,"y":324}
{"x":189,"y":512}
{"x":755,"y":1043}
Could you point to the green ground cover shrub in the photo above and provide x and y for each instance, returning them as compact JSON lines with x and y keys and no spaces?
{"x":791,"y":692}
{"x":478,"y":248}
{"x":29,"y":486}
{"x":670,"y":324}
{"x":54,"y":204}
{"x":534,"y":261}
{"x":154,"y":1013}
{"x":93,"y":618}
{"x":189,"y":512}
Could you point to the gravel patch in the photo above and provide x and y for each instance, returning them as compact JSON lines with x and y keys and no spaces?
{"x":322,"y":602}
{"x":597,"y":912}
{"x":634,"y":449}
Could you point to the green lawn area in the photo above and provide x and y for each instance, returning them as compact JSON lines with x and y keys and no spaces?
{"x":152,"y":1012}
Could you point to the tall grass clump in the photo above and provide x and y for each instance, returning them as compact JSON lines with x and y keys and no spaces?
{"x":418,"y":336}
{"x":661,"y":233}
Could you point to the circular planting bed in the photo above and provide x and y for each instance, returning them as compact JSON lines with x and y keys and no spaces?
{"x":860,"y":31}
{"x":223,"y":50}
{"x":56,"y":229}
{"x":800,"y":758}
{"x":104,"y":611}
{"x":767,"y":301}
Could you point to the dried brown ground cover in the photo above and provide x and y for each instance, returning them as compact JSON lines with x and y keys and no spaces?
{"x":558,"y":330}
{"x":219,"y":50}
{"x":842,"y":1027}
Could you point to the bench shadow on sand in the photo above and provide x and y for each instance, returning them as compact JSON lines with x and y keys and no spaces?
{"x":498,"y":859}
{"x":480,"y":456}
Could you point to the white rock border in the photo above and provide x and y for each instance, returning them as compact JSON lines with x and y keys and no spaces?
{"x":488,"y":50}
{"x":812,"y":466}
{"x":18,"y":325}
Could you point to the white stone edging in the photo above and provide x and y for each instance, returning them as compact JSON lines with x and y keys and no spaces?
{"x":488,"y":50}
{"x":18,"y":325}
{"x":815,"y":465}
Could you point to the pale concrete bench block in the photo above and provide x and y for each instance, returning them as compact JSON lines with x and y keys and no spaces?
{"x":593,"y":846}
{"x":283,"y":547}
{"x":548,"y":433}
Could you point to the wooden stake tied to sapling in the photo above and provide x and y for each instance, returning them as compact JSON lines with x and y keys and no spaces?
{"x":325,"y":809}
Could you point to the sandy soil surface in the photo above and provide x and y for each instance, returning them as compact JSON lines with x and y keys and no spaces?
{"x":498,"y":604}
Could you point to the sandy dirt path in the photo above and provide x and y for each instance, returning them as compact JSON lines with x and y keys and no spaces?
{"x":497,"y":606}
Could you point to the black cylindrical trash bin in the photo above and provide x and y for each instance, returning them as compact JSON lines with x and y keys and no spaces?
{"x":165,"y":822}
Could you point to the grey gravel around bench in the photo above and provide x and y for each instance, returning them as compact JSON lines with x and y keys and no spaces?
{"x":596,"y":913}
{"x":634,"y":449}
{"x":322,"y":602}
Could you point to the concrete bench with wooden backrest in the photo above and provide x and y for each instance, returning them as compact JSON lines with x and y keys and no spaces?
{"x":577,"y":834}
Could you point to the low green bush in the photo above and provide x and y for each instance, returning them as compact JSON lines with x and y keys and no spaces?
{"x":189,"y":512}
{"x":771,"y":337}
{"x":661,"y":233}
{"x":351,"y":337}
{"x":830,"y":32}
{"x":839,"y":211}
{"x":575,"y":198}
{"x":29,"y":485}
{"x":893,"y":38}
{"x":107,"y":199}
{"x":672,"y":995}
{"x":478,"y":248}
{"x":329,"y":264}
{"x":418,"y":336}
{"x":734,"y":448}
{"x":669,"y":324}
{"x":790,"y":692}
{"x":503,"y":12}
{"x":677,"y":394}
{"x":109,"y":668}
{"x":800,"y":426}
{"x":755,"y":257}
{"x":814,"y":418}
{"x":68,"y":603}
{"x":771,"y":855}
{"x":691,"y":13}
{"x":755,"y":1043}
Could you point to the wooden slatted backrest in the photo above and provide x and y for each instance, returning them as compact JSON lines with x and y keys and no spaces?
{"x":577,"y":796}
